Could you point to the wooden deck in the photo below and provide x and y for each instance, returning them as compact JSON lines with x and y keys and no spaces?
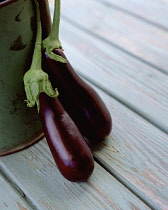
{"x":121,"y":48}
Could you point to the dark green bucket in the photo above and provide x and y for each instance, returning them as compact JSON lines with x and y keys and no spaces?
{"x":19,"y":126}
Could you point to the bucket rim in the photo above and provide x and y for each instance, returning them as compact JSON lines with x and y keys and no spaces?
{"x":7,"y":2}
{"x":30,"y":142}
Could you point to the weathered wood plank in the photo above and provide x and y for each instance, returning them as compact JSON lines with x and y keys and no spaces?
{"x":142,"y":40}
{"x":155,"y":12}
{"x":9,"y":198}
{"x":108,"y":57}
{"x":143,"y":89}
{"x":136,"y":153}
{"x":35,"y":173}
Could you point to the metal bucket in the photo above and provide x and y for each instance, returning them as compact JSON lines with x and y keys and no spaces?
{"x":19,"y":126}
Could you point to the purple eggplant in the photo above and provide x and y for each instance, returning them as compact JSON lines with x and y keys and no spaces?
{"x":81,"y":101}
{"x":70,"y":151}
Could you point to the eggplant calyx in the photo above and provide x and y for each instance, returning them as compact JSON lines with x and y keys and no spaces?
{"x":35,"y":79}
{"x":49,"y":45}
{"x":37,"y":82}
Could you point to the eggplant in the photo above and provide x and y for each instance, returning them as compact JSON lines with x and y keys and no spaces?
{"x":80,"y":100}
{"x":68,"y":147}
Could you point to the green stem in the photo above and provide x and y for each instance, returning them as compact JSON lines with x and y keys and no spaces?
{"x":52,"y":41}
{"x":35,"y":79}
{"x":54,"y":35}
{"x":37,"y":54}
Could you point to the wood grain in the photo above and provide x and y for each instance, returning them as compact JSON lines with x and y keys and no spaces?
{"x":35,"y":173}
{"x":108,"y":57}
{"x":154,"y":12}
{"x":135,"y":153}
{"x":143,"y":89}
{"x":142,"y":40}
{"x":9,"y":198}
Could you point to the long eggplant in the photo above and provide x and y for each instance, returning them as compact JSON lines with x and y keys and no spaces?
{"x":70,"y":151}
{"x":81,"y":101}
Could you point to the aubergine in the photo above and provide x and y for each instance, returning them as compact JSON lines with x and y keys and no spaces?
{"x":80,"y":100}
{"x":68,"y":147}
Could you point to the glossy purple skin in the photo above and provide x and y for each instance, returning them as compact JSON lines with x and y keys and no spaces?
{"x":67,"y":145}
{"x":81,"y":101}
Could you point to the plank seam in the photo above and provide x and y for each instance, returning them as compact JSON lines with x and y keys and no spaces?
{"x":27,"y":200}
{"x":66,"y":19}
{"x":152,"y":72}
{"x":17,"y":189}
{"x":123,"y":183}
{"x":157,"y":25}
{"x":126,"y":104}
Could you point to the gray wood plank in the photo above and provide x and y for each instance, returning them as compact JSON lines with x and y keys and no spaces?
{"x":141,"y":88}
{"x":135,"y":152}
{"x":154,"y":12}
{"x":34,"y":171}
{"x":108,"y":57}
{"x":141,"y":148}
{"x":9,"y":198}
{"x":142,"y":40}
